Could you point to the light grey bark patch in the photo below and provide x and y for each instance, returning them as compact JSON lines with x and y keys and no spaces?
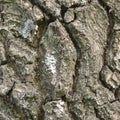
{"x":28,"y":29}
{"x":50,"y":62}
{"x":58,"y":50}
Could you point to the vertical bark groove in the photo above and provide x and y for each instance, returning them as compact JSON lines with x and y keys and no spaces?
{"x":110,"y":33}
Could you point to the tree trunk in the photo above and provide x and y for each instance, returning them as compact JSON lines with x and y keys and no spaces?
{"x":59,"y":60}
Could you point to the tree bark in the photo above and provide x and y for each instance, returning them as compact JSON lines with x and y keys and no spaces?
{"x":59,"y":60}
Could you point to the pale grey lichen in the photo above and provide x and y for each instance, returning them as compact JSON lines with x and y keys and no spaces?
{"x":50,"y":62}
{"x":28,"y":29}
{"x":83,"y":2}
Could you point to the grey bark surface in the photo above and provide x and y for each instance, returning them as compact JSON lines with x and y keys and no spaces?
{"x":59,"y":59}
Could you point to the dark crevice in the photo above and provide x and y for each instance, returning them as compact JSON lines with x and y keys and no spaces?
{"x":103,"y":82}
{"x":97,"y":114}
{"x":63,"y":11}
{"x":3,"y":62}
{"x":72,"y":114}
{"x":42,"y":27}
{"x":109,"y":41}
{"x":63,"y":98}
{"x":2,"y":18}
{"x":110,"y":68}
{"x":77,"y":64}
{"x":57,"y":1}
{"x":10,"y":91}
{"x":72,"y":38}
{"x":106,"y":103}
{"x":117,"y":93}
{"x":113,"y":101}
{"x":76,"y":5}
{"x":41,"y":114}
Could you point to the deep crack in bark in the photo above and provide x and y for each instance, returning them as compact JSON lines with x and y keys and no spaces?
{"x":10,"y":91}
{"x":77,"y":65}
{"x":109,"y":41}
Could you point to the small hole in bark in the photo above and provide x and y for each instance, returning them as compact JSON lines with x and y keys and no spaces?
{"x":64,"y":98}
{"x":58,"y":86}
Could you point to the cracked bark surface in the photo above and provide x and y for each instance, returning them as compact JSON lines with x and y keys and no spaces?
{"x":59,"y":60}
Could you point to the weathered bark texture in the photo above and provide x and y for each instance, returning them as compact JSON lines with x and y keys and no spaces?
{"x":59,"y":59}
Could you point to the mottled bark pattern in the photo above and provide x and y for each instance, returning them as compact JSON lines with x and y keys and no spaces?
{"x":59,"y":60}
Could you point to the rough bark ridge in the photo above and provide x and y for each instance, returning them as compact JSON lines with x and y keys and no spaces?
{"x":59,"y":60}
